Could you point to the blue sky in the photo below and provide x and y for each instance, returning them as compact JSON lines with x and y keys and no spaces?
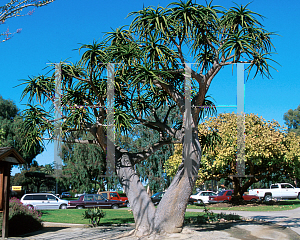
{"x":53,"y":32}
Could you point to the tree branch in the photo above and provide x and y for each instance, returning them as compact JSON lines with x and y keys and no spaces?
{"x":138,"y":157}
{"x":14,"y":8}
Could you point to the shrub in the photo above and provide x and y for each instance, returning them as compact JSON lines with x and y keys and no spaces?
{"x":22,"y":219}
{"x":94,"y":215}
{"x":210,"y":217}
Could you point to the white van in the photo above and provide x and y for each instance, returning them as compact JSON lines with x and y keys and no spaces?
{"x":43,"y":201}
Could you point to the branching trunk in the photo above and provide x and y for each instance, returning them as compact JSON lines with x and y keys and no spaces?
{"x":169,"y":216}
{"x":170,"y":212}
{"x":236,"y":187}
{"x":237,"y":197}
{"x":142,"y":207}
{"x":239,"y":189}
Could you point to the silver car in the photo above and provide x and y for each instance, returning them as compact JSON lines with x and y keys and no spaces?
{"x":202,"y":196}
{"x":43,"y":201}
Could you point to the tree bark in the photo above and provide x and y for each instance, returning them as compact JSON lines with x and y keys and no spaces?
{"x":142,"y":207}
{"x":240,"y":189}
{"x":169,"y":215}
{"x":170,"y":212}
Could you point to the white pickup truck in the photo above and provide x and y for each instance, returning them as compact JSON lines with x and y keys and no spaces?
{"x":277,"y":190}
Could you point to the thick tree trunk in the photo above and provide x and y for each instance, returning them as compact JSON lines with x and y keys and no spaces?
{"x":169,"y":215}
{"x":142,"y":207}
{"x":237,"y":196}
{"x":236,"y":187}
{"x":170,"y":212}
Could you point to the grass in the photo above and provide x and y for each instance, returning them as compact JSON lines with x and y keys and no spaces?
{"x":263,"y":207}
{"x":121,"y":216}
{"x":112,"y":216}
{"x":70,"y":199}
{"x":76,"y":216}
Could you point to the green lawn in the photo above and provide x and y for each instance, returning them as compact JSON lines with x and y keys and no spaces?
{"x":75,"y":216}
{"x":125,"y":216}
{"x":70,"y":199}
{"x":274,"y":206}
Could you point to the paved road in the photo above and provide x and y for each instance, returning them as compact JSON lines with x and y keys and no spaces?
{"x":288,"y":218}
{"x":236,"y":231}
{"x":69,"y":232}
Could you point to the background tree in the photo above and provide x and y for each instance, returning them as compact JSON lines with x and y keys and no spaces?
{"x":270,"y":153}
{"x":292,"y":120}
{"x":35,"y":178}
{"x":18,"y":179}
{"x":50,"y":179}
{"x":85,"y":167}
{"x":2,"y":133}
{"x":11,"y":131}
{"x":14,"y":8}
{"x":48,"y":169}
{"x":153,"y":55}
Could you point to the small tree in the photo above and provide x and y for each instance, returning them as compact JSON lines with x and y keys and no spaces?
{"x":94,"y":215}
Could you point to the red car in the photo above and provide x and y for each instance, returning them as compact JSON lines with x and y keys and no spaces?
{"x":115,"y":196}
{"x":95,"y":200}
{"x":225,"y":196}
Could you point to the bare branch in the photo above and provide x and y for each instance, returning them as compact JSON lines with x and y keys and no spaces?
{"x":174,"y":94}
{"x":14,"y":9}
{"x":74,"y":141}
{"x":138,"y":157}
{"x":168,"y":113}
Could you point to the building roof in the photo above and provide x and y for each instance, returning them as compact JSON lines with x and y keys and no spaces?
{"x":8,"y":154}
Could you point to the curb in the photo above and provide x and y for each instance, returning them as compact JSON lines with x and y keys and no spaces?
{"x":54,"y":224}
{"x":77,"y":225}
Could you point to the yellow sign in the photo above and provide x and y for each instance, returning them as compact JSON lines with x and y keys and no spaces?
{"x":16,"y":188}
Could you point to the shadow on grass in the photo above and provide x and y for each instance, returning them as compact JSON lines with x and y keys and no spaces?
{"x":117,"y":221}
{"x":281,"y":203}
{"x":44,"y":212}
{"x":215,"y":226}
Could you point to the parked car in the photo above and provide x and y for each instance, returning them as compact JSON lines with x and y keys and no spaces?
{"x":278,"y":190}
{"x":155,"y":198}
{"x":65,"y":195}
{"x":115,"y":196}
{"x":95,"y":200}
{"x":43,"y":201}
{"x":78,"y":194}
{"x":225,"y":196}
{"x":202,"y":197}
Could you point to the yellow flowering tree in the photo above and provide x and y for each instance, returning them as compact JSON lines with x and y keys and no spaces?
{"x":270,"y":151}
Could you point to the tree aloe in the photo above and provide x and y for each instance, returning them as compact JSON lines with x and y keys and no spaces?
{"x":151,"y":64}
